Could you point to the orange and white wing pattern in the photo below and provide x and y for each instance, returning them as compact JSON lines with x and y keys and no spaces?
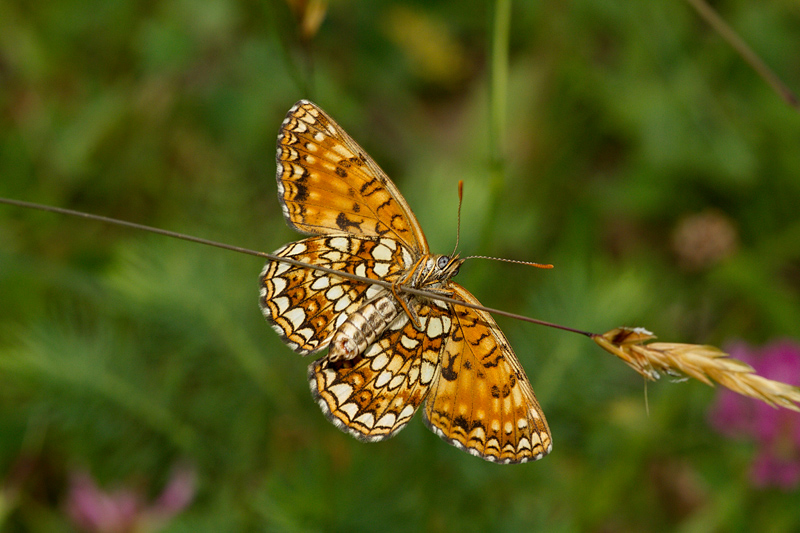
{"x":374,"y":396}
{"x":478,"y":397}
{"x":305,"y":306}
{"x":482,"y":401}
{"x":328,"y":184}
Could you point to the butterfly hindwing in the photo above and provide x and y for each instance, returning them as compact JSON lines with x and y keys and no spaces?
{"x":482,"y":401}
{"x":374,"y":395}
{"x":304,"y":305}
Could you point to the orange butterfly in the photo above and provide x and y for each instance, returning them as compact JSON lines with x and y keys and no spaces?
{"x":388,"y":350}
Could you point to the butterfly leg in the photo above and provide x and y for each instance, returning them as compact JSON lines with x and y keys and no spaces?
{"x":405,"y":303}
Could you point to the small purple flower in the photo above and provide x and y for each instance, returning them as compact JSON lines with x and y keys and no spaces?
{"x":775,"y":431}
{"x":124,"y":510}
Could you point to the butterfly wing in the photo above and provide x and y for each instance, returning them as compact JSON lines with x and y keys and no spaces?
{"x":328,"y":184}
{"x":482,"y":402}
{"x":304,"y":305}
{"x":373,"y":396}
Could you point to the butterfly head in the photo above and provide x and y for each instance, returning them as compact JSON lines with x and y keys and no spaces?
{"x":444,"y":268}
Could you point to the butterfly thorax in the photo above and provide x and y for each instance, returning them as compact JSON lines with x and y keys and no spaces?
{"x":354,"y":335}
{"x":432,"y":271}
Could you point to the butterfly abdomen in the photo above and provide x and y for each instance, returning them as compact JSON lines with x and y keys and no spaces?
{"x":362,"y":327}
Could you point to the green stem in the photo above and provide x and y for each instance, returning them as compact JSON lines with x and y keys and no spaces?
{"x":498,"y":107}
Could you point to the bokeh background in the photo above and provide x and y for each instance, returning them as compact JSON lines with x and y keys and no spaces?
{"x":637,"y":152}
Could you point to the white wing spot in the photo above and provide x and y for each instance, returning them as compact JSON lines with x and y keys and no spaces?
{"x":278,"y":284}
{"x":321,"y":283}
{"x":407,"y":412}
{"x":381,"y":269}
{"x":409,"y":343}
{"x":334,"y":293}
{"x":373,"y":291}
{"x":396,"y":381}
{"x":295,"y":316}
{"x":407,"y":259}
{"x":428,"y":371}
{"x":329,"y":376}
{"x":282,"y":303}
{"x":367,"y":419}
{"x":389,"y":243}
{"x":297,"y":248}
{"x":350,"y":409}
{"x":280,"y":268}
{"x":340,"y":320}
{"x":341,"y":391}
{"x":340,"y":243}
{"x":386,"y":420}
{"x":382,"y":253}
{"x":434,"y":328}
{"x":373,"y":350}
{"x":334,"y":256}
{"x":306,"y":333}
{"x":382,"y":379}
{"x":379,"y":362}
{"x":341,"y":304}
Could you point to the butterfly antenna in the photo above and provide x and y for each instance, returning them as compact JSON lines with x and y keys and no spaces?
{"x":458,"y":226}
{"x":458,"y":236}
{"x":529,"y":263}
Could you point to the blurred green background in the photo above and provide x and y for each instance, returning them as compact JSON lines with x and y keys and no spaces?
{"x":639,"y":155}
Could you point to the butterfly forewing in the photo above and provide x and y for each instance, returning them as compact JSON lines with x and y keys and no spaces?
{"x":328,"y":184}
{"x":482,"y":401}
{"x":375,"y":395}
{"x":305,"y":306}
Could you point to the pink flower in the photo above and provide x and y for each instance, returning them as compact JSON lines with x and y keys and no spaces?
{"x":124,"y":510}
{"x":776,"y":432}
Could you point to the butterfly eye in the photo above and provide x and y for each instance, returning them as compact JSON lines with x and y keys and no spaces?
{"x":442,"y":262}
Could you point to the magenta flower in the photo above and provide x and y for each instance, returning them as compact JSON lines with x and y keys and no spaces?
{"x":124,"y":510}
{"x":775,"y":431}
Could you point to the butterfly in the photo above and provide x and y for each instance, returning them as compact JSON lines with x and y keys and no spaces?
{"x":388,"y":351}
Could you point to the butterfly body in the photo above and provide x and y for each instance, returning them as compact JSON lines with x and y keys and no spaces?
{"x":362,"y":327}
{"x":389,"y":352}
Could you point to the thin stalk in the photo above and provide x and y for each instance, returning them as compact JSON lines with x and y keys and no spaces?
{"x":273,"y":257}
{"x":498,"y":109}
{"x":713,"y":19}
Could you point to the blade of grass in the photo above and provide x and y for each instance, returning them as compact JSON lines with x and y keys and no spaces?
{"x":713,"y":19}
{"x":498,"y":108}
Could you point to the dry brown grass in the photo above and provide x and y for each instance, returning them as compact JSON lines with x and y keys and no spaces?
{"x":704,"y":363}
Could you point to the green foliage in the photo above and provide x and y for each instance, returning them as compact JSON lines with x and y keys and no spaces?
{"x":123,"y":353}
